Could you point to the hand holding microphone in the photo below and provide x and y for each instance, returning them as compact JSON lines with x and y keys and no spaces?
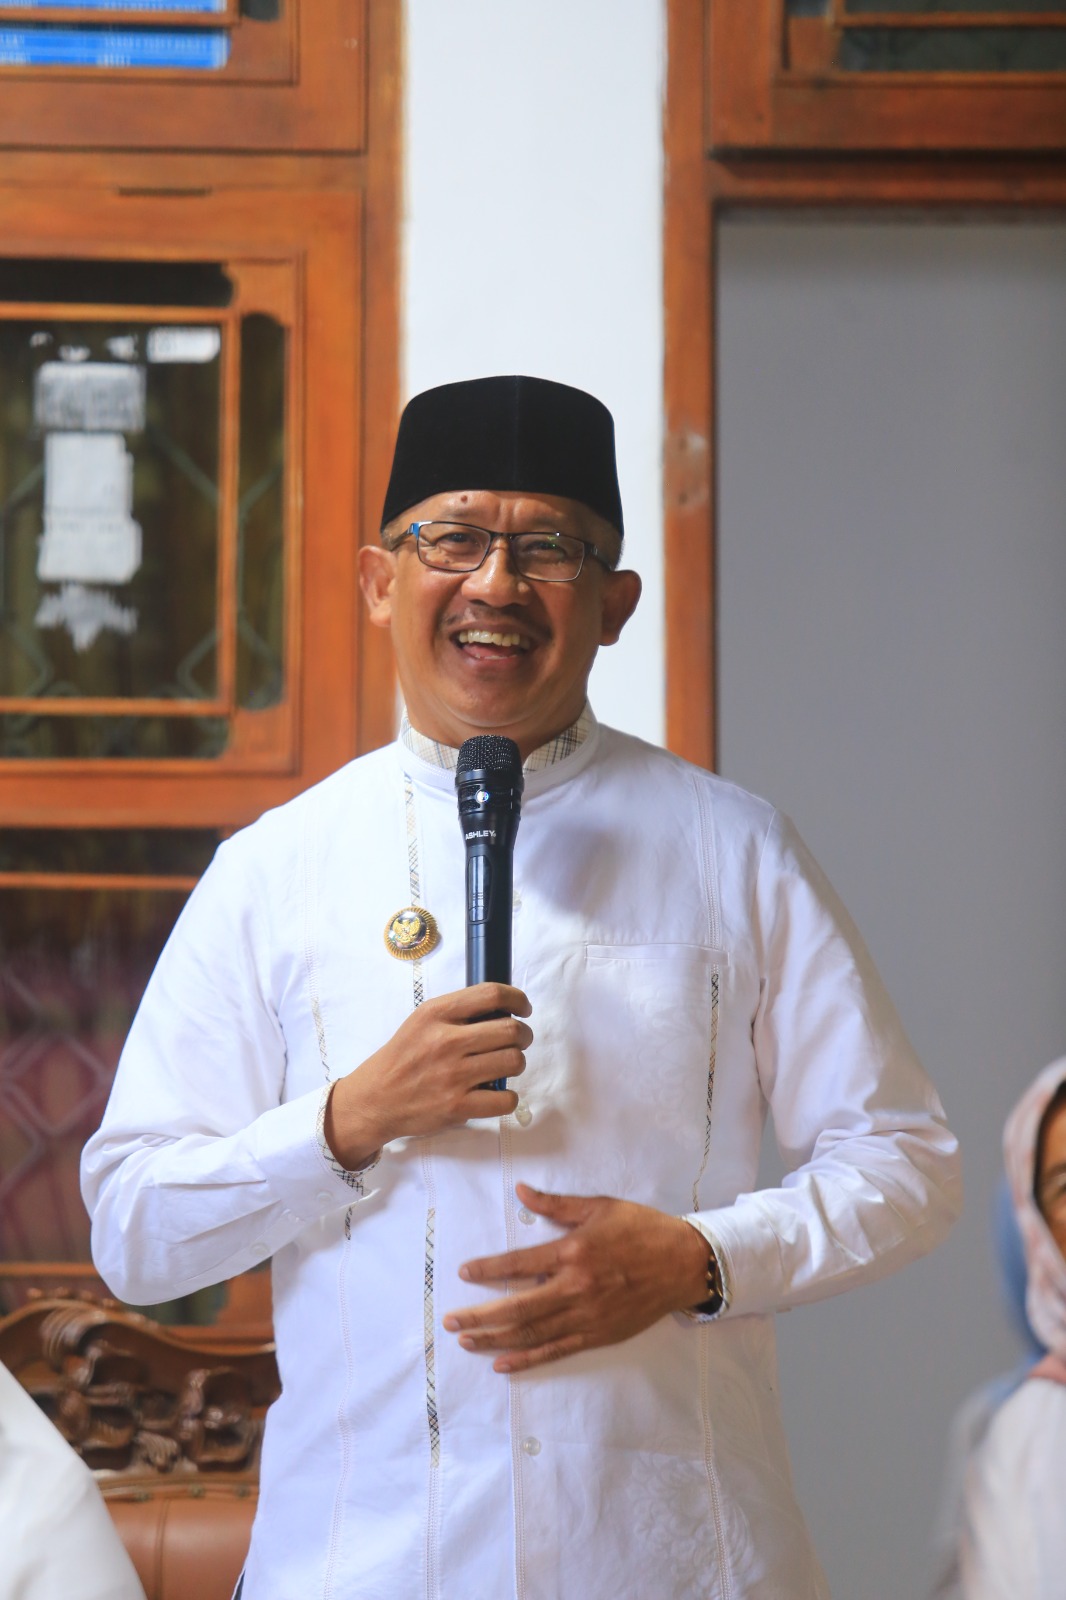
{"x":431,"y":1075}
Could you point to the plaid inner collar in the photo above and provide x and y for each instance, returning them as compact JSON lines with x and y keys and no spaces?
{"x":443,"y":755}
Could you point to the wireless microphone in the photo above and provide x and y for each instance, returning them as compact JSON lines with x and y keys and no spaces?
{"x":489,"y":782}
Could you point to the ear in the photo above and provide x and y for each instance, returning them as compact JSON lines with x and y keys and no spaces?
{"x":377,"y":578}
{"x":621,"y":591}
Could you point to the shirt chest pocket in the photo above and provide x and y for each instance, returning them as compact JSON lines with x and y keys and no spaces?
{"x":647,"y":1035}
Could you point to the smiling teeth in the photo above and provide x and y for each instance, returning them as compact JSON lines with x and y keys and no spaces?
{"x":483,"y":636}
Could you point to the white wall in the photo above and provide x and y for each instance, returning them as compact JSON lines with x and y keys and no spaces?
{"x":892,"y":588}
{"x":532,"y":242}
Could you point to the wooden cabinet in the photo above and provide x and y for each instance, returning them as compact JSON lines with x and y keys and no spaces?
{"x":198,"y":392}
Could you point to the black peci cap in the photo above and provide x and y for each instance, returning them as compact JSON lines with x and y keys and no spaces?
{"x":506,"y":433}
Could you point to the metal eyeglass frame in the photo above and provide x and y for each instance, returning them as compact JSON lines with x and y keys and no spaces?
{"x":587,"y":548}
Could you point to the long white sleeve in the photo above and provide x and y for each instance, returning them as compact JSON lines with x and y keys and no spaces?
{"x":201,"y":1169}
{"x":874,"y":1177}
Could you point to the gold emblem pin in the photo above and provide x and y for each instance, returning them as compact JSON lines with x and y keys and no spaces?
{"x":411,"y":933}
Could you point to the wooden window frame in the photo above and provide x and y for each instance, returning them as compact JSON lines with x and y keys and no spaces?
{"x":300,"y":83}
{"x":336,"y":219}
{"x":699,"y":191}
{"x":756,"y":102}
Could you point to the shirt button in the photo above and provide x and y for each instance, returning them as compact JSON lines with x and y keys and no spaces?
{"x":522,"y":1114}
{"x":531,"y":1446}
{"x":526,"y":1216}
{"x":260,"y":1249}
{"x":323,"y":1196}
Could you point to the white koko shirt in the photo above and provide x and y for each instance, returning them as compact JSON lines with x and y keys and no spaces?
{"x":686,"y":964}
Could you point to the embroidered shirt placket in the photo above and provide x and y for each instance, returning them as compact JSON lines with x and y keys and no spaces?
{"x":518,"y":1464}
{"x":429,"y":1327}
{"x":309,"y":897}
{"x":443,"y":756}
{"x":709,"y":870}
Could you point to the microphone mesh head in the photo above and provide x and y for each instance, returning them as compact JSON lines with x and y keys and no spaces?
{"x":489,"y":752}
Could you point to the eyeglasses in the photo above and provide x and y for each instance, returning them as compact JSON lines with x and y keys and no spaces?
{"x":546,"y":557}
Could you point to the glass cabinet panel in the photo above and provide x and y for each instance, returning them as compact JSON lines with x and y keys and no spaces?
{"x":109,"y":520}
{"x":938,"y":8}
{"x":261,"y":514}
{"x":929,"y":36}
{"x":142,"y":511}
{"x":83,"y":918}
{"x":974,"y":49}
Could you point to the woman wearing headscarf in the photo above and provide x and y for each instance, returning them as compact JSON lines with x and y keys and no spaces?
{"x":970,"y":1425}
{"x":1014,"y":1526}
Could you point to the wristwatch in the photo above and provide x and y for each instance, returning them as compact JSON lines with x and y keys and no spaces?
{"x":715,"y":1288}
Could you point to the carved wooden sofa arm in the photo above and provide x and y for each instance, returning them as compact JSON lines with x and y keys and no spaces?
{"x":169,"y":1420}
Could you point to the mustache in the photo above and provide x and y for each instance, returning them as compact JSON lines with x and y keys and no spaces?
{"x":505,"y":621}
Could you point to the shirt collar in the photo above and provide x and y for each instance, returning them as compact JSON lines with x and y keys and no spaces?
{"x":436,"y":754}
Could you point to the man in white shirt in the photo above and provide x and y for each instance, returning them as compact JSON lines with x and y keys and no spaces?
{"x":525,"y":1334}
